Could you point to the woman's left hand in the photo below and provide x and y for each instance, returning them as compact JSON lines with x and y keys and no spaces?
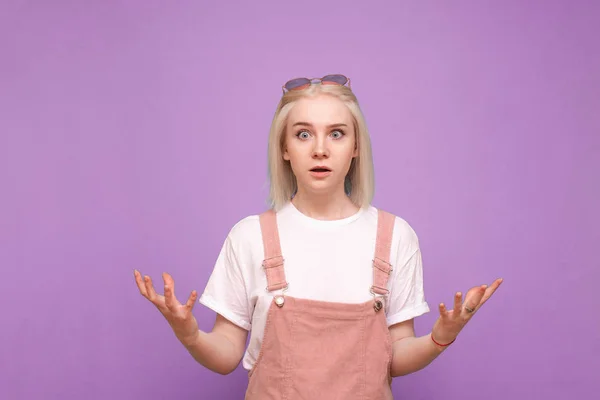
{"x":451,"y":322}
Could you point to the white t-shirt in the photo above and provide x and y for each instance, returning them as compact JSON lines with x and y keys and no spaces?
{"x":324,"y":260}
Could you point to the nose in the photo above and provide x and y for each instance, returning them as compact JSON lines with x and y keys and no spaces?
{"x":320,"y":149}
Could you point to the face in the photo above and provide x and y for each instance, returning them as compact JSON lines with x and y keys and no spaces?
{"x":320,"y":143}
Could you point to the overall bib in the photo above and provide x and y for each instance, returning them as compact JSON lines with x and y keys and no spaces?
{"x":315,"y":350}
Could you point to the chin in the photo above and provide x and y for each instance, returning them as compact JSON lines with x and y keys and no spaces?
{"x":321,"y":187}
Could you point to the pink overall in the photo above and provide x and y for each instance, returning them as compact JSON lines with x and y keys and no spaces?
{"x":315,"y":350}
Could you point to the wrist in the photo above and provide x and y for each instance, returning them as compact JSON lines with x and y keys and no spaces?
{"x":441,"y":344}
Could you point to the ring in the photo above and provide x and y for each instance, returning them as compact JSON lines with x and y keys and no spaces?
{"x":469,"y":309}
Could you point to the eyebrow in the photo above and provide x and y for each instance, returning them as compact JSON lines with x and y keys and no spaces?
{"x":328,"y":126}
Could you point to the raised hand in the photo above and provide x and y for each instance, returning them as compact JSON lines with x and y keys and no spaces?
{"x":179,"y":316}
{"x":451,"y":322}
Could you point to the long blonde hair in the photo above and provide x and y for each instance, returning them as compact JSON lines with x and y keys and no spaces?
{"x":359,"y":184}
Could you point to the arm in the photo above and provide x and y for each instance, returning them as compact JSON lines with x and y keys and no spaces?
{"x":220,"y":350}
{"x":410,"y":353}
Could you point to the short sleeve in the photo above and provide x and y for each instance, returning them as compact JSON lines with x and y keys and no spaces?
{"x":226,"y":291}
{"x":407,"y":298}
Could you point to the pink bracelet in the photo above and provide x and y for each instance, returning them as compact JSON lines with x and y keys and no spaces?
{"x":439,"y":344}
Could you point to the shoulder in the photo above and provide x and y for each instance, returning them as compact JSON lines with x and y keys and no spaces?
{"x":404,"y":235}
{"x":244,"y":237}
{"x":248,"y":225}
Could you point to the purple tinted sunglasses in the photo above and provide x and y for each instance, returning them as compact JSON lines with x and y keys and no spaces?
{"x":302,"y":83}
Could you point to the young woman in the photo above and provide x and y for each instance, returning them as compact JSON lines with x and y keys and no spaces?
{"x":326,"y":284}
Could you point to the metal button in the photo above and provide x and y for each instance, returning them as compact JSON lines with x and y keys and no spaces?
{"x":378,"y":305}
{"x":279,"y":300}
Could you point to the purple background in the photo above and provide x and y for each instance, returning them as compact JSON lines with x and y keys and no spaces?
{"x":133,"y":135}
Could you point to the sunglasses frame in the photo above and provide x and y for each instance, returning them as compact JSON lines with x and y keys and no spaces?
{"x":312,"y":80}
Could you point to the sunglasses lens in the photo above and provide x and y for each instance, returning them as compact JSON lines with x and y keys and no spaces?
{"x":296,"y":83}
{"x":339,"y":79}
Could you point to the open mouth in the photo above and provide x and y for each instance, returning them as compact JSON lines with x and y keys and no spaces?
{"x":320,"y":169}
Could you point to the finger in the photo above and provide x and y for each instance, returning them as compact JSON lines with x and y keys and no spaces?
{"x":150,"y":289}
{"x":490,"y":291}
{"x":170,"y":299}
{"x":474,"y":302}
{"x":140,"y":283}
{"x":191,"y":300}
{"x":443,"y":311}
{"x":457,"y":303}
{"x":492,"y":288}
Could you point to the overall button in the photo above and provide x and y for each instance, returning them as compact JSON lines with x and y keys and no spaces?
{"x":279,"y":300}
{"x":378,"y":305}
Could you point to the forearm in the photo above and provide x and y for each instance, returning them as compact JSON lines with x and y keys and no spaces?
{"x":412,"y":354}
{"x":214,"y":351}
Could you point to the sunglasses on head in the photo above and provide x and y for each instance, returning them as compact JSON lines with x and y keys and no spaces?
{"x":302,"y":83}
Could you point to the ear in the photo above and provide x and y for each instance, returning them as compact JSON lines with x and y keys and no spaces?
{"x":286,"y":155}
{"x":284,"y":149}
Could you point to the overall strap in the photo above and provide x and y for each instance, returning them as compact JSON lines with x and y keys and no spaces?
{"x":381,"y":263}
{"x":273,"y":261}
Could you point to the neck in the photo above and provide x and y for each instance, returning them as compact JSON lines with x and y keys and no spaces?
{"x":326,"y":206}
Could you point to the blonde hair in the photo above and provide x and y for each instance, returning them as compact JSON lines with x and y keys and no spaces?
{"x":359,"y":184}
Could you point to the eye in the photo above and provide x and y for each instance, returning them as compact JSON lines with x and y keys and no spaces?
{"x":303,"y":134}
{"x":338,"y":135}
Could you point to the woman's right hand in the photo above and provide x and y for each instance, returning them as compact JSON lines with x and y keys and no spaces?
{"x":179,"y":316}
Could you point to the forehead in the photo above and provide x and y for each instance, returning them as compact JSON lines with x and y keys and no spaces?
{"x":320,"y":110}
